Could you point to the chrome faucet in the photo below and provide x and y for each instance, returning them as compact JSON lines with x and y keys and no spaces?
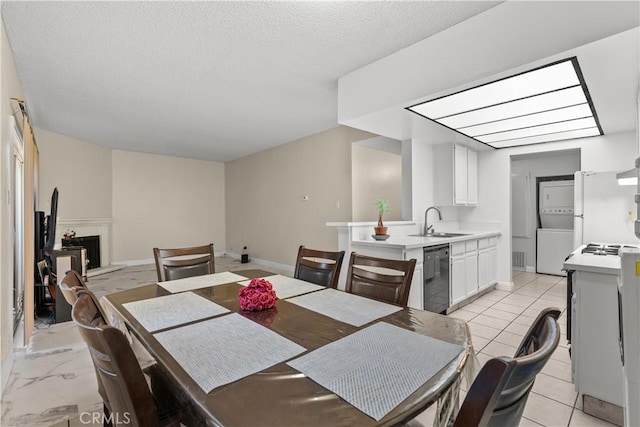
{"x":429,"y":229}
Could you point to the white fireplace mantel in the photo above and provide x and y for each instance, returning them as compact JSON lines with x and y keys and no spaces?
{"x":88,"y":227}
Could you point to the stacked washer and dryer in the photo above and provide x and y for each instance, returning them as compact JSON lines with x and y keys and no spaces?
{"x":555,"y":235}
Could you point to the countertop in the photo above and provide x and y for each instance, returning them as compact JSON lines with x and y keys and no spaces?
{"x":412,"y":242}
{"x":593,"y":263}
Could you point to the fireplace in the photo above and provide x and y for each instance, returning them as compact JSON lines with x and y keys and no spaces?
{"x":91,"y":244}
{"x":94,"y":234}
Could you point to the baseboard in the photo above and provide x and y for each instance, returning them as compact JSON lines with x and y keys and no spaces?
{"x":530,"y":269}
{"x":280,"y":268}
{"x":134,"y":262}
{"x":505,"y":286}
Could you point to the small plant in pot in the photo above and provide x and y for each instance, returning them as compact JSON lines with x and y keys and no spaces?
{"x":383,"y":207}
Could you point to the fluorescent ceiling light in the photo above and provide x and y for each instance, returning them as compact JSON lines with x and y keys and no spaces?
{"x":546,"y":104}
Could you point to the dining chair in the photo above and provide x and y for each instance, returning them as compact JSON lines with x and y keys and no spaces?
{"x":386,"y":280}
{"x":178,"y":263}
{"x":132,"y":398}
{"x":70,"y":283}
{"x":483,"y":395}
{"x":532,"y":354}
{"x":319,"y":267}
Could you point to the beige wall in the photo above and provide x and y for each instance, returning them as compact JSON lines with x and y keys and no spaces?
{"x":165,"y":202}
{"x":375,"y":173}
{"x":10,"y":87}
{"x":80,"y":170}
{"x":265,"y":210}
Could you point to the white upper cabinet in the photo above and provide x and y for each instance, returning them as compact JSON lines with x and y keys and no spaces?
{"x":455,"y":175}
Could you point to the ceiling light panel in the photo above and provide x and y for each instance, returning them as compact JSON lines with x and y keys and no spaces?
{"x":549,"y":101}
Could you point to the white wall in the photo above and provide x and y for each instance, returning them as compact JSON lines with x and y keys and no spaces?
{"x":162,"y":201}
{"x":549,"y":165}
{"x":375,"y":174}
{"x":265,"y":210}
{"x":80,"y":170}
{"x":10,"y":87}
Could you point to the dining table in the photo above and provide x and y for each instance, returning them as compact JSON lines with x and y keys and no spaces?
{"x":318,"y":357}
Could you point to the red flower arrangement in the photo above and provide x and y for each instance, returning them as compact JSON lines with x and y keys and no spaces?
{"x":257,"y":295}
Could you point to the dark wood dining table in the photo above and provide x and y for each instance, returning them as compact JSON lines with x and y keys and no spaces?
{"x":280,"y":395}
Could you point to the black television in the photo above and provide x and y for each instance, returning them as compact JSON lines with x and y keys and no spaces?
{"x":50,"y":225}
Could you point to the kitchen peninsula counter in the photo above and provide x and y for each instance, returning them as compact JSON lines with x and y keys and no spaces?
{"x":412,"y":242}
{"x":473,"y":256}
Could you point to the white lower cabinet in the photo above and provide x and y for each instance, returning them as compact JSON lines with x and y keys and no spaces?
{"x":473,"y":267}
{"x":487,"y":259}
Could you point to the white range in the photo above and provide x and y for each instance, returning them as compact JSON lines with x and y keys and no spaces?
{"x":592,"y":314}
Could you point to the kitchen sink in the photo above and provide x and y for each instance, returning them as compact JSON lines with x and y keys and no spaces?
{"x":441,"y":234}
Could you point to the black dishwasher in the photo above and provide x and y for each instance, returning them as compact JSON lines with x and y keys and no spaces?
{"x":436,"y":278}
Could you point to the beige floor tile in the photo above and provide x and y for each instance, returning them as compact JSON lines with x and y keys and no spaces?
{"x":525,"y":320}
{"x":495,"y":295}
{"x":483,"y":331}
{"x":558,"y":369}
{"x":509,"y":338}
{"x":479,"y":343}
{"x":510,"y":308}
{"x":462,"y":315}
{"x":580,"y":419}
{"x":474,"y":308}
{"x":517,"y":328}
{"x":556,"y":389}
{"x":519,"y":300}
{"x":561,"y":354}
{"x":526,"y":422}
{"x":493,"y":322}
{"x":547,"y":412}
{"x":484,"y":301}
{"x":530,"y":291}
{"x":500,"y":314}
{"x":497,"y":349}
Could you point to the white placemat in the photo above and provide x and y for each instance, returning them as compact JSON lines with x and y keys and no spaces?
{"x":375,"y":369}
{"x":225,"y":349}
{"x":197,"y":282}
{"x":349,"y":308}
{"x":172,"y":310}
{"x":287,"y":287}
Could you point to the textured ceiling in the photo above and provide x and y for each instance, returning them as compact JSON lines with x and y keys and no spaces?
{"x":209,"y":80}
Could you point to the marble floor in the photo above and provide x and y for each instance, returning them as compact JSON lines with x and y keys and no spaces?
{"x":53,"y":382}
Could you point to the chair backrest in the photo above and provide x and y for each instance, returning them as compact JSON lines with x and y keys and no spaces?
{"x":172,"y":264}
{"x":481,"y":399}
{"x":386,"y":280}
{"x":533,"y":353}
{"x":319,"y":267}
{"x":70,"y":283}
{"x":116,"y":366}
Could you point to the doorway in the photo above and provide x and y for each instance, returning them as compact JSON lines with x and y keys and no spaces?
{"x":17,"y":199}
{"x":525,"y":171}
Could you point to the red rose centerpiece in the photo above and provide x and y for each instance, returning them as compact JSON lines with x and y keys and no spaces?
{"x":257,"y":295}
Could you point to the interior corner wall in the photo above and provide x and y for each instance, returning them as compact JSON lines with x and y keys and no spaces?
{"x":375,"y":174}
{"x":80,"y":170}
{"x":163,"y":201}
{"x":10,"y":87}
{"x":265,"y":209}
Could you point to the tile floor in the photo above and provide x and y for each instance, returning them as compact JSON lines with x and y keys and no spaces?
{"x":53,"y":382}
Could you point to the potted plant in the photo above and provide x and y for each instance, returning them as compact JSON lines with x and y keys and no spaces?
{"x":383,"y":207}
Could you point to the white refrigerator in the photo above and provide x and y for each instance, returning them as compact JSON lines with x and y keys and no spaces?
{"x":604,"y":211}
